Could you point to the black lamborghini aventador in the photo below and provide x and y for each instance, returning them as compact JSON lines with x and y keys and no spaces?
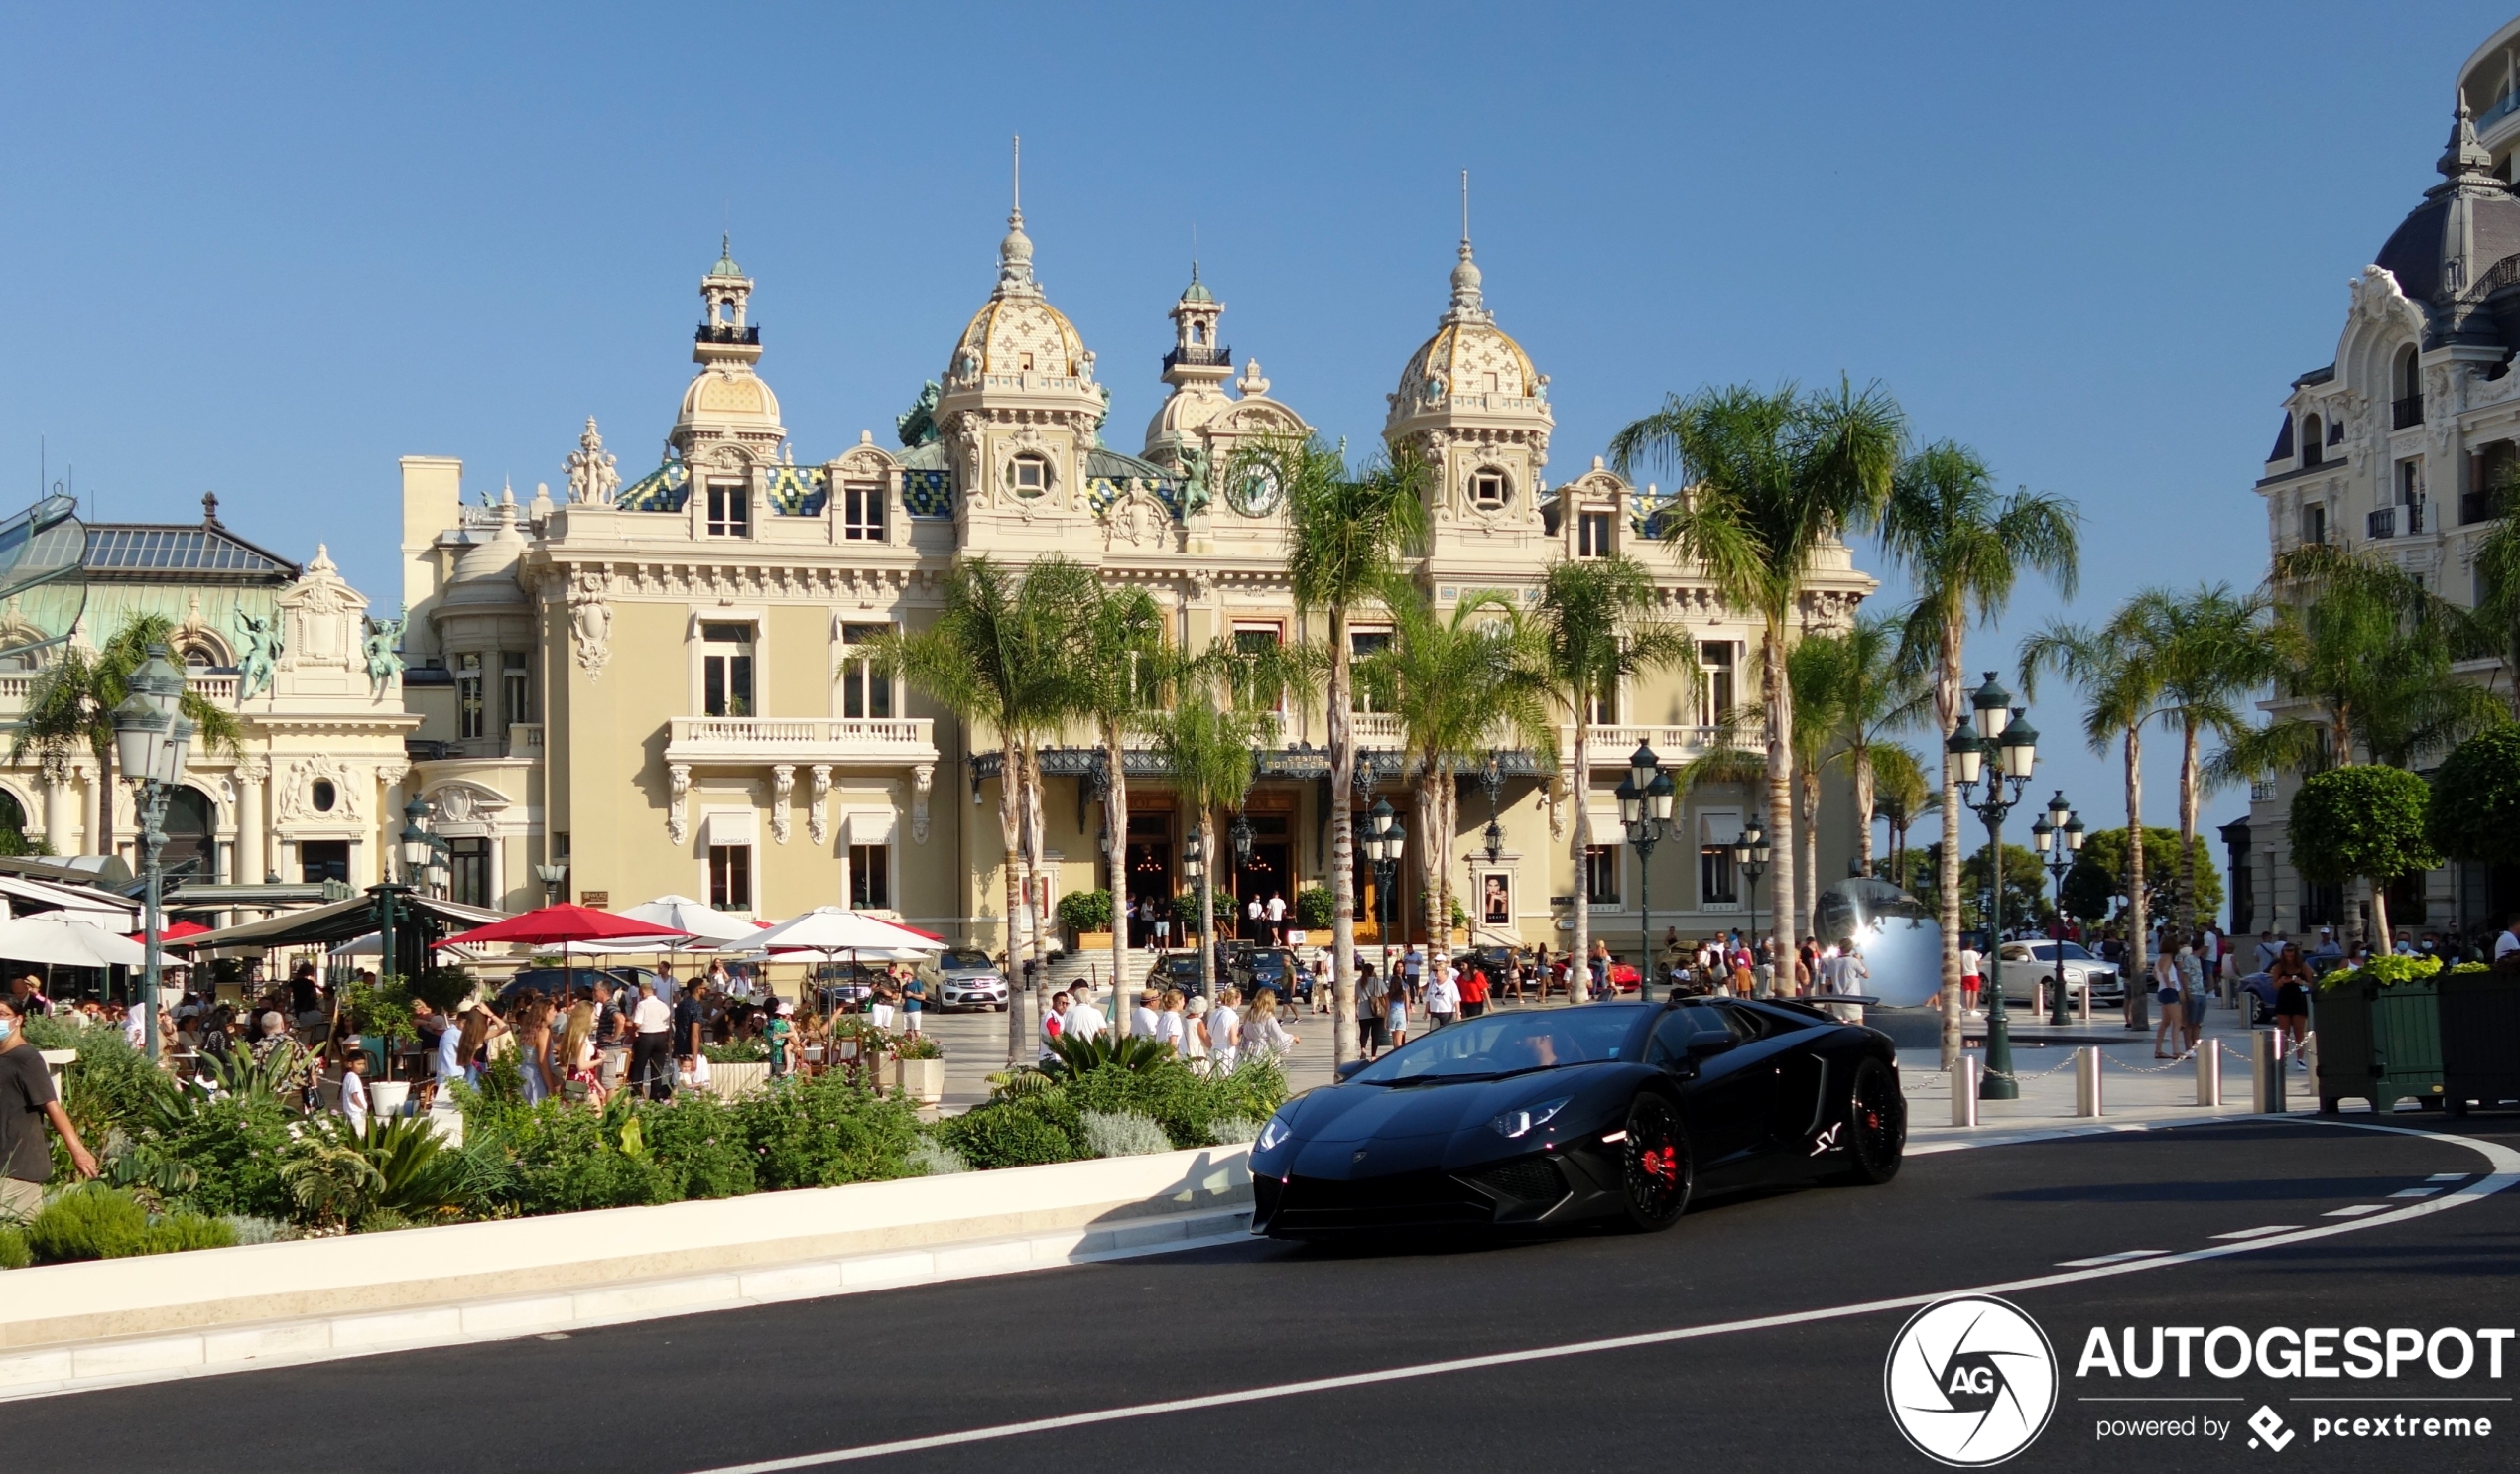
{"x":1548,"y":1117}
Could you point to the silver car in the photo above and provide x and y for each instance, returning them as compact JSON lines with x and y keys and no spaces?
{"x":2027,"y":964}
{"x":966,"y":978}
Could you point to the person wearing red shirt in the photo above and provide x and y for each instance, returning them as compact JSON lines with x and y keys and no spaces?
{"x":1474,"y":993}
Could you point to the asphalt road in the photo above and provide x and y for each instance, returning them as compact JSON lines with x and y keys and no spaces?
{"x":713,"y":1391}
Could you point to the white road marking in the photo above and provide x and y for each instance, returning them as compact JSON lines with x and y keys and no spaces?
{"x":2260,"y":1232}
{"x":2415,"y":1192}
{"x":2120,"y":1257}
{"x":2357,"y":1211}
{"x":2505,"y":1164}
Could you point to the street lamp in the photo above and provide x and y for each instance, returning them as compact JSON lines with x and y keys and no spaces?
{"x":2004,"y":737}
{"x":1750,"y":857}
{"x":1491,"y":775}
{"x":1195,"y":870}
{"x":551,"y":876}
{"x":1645,"y":812}
{"x":151,"y":742}
{"x":2059,"y":836}
{"x":1385,"y":843}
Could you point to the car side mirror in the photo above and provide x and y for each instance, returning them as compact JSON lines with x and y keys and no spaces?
{"x":1347,"y":1070}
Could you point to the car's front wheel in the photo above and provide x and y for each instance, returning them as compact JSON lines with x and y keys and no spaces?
{"x":1657,"y":1172}
{"x":1876,"y":1126}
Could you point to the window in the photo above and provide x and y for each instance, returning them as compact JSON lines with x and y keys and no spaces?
{"x":2321,"y":904}
{"x":323,"y":795}
{"x":1601,"y":874}
{"x":870,"y":886}
{"x":1605,"y":702}
{"x":198,"y":657}
{"x":468,"y":872}
{"x":516,"y":691}
{"x":1592,"y":535}
{"x":726,"y":670}
{"x":2411,"y":494}
{"x":2315,"y":523}
{"x":730,"y":876}
{"x":2408,"y":408}
{"x":1715,"y":695}
{"x":1719,"y":883}
{"x":1259,"y":640}
{"x":320,"y":860}
{"x":730,"y":509}
{"x":471,"y":712}
{"x":863,"y":512}
{"x":1366,"y":643}
{"x":1031,"y":473}
{"x":866,"y":691}
{"x":1489,"y":490}
{"x":1024,"y":363}
{"x":2311,"y":445}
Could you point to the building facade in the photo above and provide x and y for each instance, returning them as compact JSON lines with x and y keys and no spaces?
{"x":648,"y":684}
{"x":2391,"y":450}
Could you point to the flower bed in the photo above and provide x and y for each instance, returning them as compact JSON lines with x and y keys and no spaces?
{"x":184,"y":1170}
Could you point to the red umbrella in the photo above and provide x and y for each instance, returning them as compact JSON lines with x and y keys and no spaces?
{"x":564,"y":922}
{"x":171,"y":932}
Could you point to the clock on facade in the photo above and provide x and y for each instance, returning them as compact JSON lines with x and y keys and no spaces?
{"x":1257,"y":493}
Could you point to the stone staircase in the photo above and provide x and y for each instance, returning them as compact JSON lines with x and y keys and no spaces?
{"x":1068,"y":969}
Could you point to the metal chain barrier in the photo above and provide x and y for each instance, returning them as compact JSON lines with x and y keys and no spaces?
{"x":2016,"y":1077}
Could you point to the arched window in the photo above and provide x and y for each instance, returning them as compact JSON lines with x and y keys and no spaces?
{"x":2311,"y":440}
{"x":2408,"y":379}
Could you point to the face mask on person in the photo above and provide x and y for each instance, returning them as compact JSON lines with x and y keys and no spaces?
{"x":8,"y":1026}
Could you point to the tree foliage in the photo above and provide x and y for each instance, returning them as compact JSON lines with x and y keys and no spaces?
{"x":2364,"y":822}
{"x":2097,"y":883}
{"x":2475,"y":811}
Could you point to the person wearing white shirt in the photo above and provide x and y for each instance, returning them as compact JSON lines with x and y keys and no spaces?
{"x":1224,"y":1030}
{"x":1084,"y":1020}
{"x":1443,"y":997}
{"x":1143,"y":1022}
{"x":2509,"y":940}
{"x":1172,"y":1030}
{"x":354,"y":1092}
{"x":1973,"y":975}
{"x":1252,"y":921}
{"x":1277,"y":919}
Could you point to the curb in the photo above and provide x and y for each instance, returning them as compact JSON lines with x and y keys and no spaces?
{"x":285,"y":1343}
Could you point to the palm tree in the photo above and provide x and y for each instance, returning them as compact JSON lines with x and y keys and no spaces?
{"x":1772,"y":480}
{"x":2497,"y":558}
{"x":996,"y":658}
{"x":1223,"y":714}
{"x":1901,"y":796}
{"x":1593,"y":629}
{"x":72,"y":702}
{"x":2121,"y":673}
{"x":1964,"y":546}
{"x":1111,"y":674}
{"x":2216,"y":649}
{"x":1874,"y":695}
{"x":1455,"y":684}
{"x":1346,"y":535}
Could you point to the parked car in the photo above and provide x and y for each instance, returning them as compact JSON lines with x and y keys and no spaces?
{"x":554,"y":983}
{"x":1176,"y":970}
{"x":2029,"y":963}
{"x":966,"y":978}
{"x":1503,"y":964}
{"x":1272,"y":967}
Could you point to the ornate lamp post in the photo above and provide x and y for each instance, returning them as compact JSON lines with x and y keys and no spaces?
{"x":1385,"y":843}
{"x":151,"y":742}
{"x":1750,"y":857}
{"x":2058,"y":836}
{"x":2006,"y":737}
{"x":1195,"y":870}
{"x":1645,"y":812}
{"x":1491,"y":777}
{"x":1241,"y":836}
{"x":551,"y":876}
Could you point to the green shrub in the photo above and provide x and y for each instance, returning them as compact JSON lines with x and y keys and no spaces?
{"x":1011,"y":1134}
{"x":1314,"y":907}
{"x":2363,"y":822}
{"x":181,"y":1231}
{"x":1085,"y":911}
{"x":2388,"y":971}
{"x":825,"y":1132}
{"x":1122,"y":1134}
{"x":737,"y":1052}
{"x":88,"y":1222}
{"x":236,"y":1145}
{"x":566,"y":1158}
{"x":441,"y":988}
{"x":700,"y":1146}
{"x":933,"y":1159}
{"x":920,"y":1047}
{"x":251,"y":1230}
{"x":109,"y":1086}
{"x":2474,"y":813}
{"x":14,"y":1253}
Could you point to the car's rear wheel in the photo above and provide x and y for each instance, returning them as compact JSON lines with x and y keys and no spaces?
{"x":1876,"y":1126}
{"x":1658,"y":1173}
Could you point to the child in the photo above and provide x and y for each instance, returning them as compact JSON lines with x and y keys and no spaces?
{"x":780,"y":1033}
{"x":354,"y":1091}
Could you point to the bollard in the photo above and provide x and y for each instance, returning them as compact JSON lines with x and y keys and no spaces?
{"x":2209,"y":1073}
{"x":2039,"y":999}
{"x":1965,"y":1093}
{"x":2082,"y":1004}
{"x":2266,"y":1071}
{"x":2086,"y":1080}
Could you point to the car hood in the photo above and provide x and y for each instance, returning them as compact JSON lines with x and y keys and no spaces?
{"x":1357,"y":1113}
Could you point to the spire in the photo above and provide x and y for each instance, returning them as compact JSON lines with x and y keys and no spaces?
{"x":2464,"y":160}
{"x":1015,"y":253}
{"x":726,"y":266}
{"x":1469,"y":302}
{"x":1196,"y":290}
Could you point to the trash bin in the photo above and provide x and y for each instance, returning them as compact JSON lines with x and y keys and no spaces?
{"x":2378,"y":1043}
{"x":2481,"y":1037}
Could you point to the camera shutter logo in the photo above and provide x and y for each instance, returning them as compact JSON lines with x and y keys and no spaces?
{"x":1970,"y":1380}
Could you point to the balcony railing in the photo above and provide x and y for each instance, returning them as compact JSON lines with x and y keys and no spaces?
{"x":2499,"y":111}
{"x":2414,"y":516}
{"x":217,"y":689}
{"x":728,"y":332}
{"x":1611,"y":743}
{"x":1195,"y":356}
{"x":782,"y":739}
{"x":2406,"y":412}
{"x":2381,"y":524}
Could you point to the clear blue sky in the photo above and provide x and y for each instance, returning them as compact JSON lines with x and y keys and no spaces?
{"x":268,"y":255}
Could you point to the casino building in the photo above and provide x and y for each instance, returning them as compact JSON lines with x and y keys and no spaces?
{"x":649,"y":683}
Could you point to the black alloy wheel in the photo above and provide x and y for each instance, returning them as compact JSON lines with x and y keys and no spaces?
{"x":1876,"y":1126}
{"x":1657,"y":1170}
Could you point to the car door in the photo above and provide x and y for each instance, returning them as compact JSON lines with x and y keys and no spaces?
{"x":1726,"y":1088}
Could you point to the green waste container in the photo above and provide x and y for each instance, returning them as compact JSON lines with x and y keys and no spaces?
{"x":2481,"y":1037}
{"x":2378,"y":1043}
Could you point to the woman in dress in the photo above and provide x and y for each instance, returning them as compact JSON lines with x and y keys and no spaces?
{"x":2166,"y":991}
{"x":578,"y":1055}
{"x":534,"y":1040}
{"x":1263,"y":1037}
{"x":2292,"y":978}
{"x":1171,"y":1028}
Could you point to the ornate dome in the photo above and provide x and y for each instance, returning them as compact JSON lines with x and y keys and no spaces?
{"x":1018,"y":331}
{"x":729,"y":392}
{"x":486,"y":573}
{"x":1468,"y":354}
{"x":2471,"y":218}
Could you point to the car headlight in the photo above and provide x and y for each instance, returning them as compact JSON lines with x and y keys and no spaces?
{"x":1522,"y":1122}
{"x":1274,"y":1133}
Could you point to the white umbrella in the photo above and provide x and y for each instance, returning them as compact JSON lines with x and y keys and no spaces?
{"x":370,"y":945}
{"x":683,"y":914}
{"x":67,"y":941}
{"x":836,"y":928}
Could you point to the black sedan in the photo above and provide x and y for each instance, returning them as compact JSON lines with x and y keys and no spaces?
{"x":1620,"y":1111}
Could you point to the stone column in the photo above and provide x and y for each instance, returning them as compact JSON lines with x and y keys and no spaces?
{"x":58,"y":794}
{"x":389,"y":824}
{"x":252,"y":853}
{"x":93,"y":778}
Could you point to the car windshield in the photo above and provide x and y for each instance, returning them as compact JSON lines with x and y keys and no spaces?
{"x":965,"y":958}
{"x":1506,"y":1044}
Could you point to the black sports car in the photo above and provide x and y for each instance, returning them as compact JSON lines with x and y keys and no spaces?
{"x":1541,"y":1118}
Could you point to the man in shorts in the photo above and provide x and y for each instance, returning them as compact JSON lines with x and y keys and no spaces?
{"x":1372,"y":993}
{"x":27,"y":1105}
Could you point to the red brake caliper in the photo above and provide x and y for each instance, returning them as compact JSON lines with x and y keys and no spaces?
{"x":1662,"y":1164}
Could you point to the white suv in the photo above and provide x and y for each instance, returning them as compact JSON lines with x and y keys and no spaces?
{"x":2027,"y":964}
{"x":966,"y":978}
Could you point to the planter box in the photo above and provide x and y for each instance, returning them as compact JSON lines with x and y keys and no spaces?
{"x":2379,"y":1044}
{"x":920,"y":1080}
{"x":1093,"y":941}
{"x":2481,"y":1037}
{"x":730,"y":1080}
